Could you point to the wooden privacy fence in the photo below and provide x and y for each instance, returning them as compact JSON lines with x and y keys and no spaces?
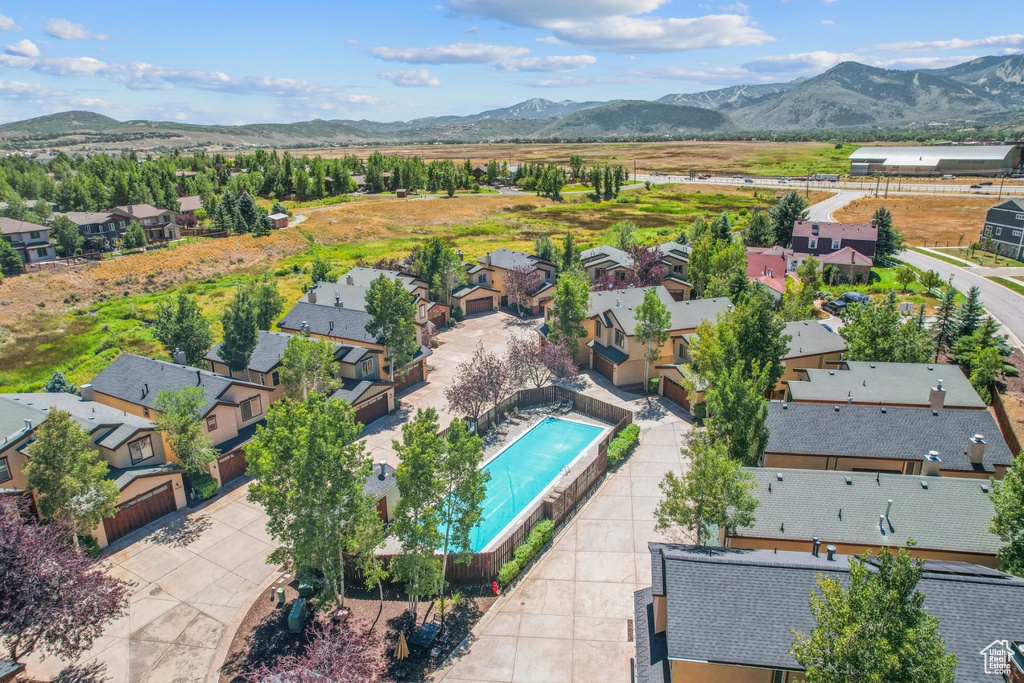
{"x":563,"y":500}
{"x":1005,"y":426}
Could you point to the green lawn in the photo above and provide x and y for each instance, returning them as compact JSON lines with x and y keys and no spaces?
{"x":799,"y":161}
{"x":940,"y":257}
{"x":883,"y":281}
{"x":1010,"y":284}
{"x":981,"y":258}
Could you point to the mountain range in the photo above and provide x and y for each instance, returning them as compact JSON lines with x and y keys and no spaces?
{"x":980,"y":92}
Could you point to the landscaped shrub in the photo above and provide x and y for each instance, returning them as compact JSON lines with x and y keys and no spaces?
{"x":545,"y":529}
{"x":653,"y":384}
{"x":89,"y":546}
{"x":205,"y":486}
{"x":457,"y":313}
{"x":622,"y":444}
{"x":508,"y":571}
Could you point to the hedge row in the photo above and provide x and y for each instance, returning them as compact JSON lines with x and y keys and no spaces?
{"x":541,"y":534}
{"x":622,"y":444}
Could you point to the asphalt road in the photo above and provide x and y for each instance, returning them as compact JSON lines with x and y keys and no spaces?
{"x":822,"y":211}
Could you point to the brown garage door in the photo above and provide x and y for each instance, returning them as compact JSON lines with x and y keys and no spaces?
{"x":604,"y":366}
{"x":374,"y":409}
{"x":232,"y":466}
{"x":140,"y":511}
{"x":482,"y":305}
{"x":675,"y":392}
{"x":440,"y":320}
{"x":413,"y":376}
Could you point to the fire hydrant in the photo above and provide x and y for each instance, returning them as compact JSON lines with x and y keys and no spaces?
{"x":495,"y":588}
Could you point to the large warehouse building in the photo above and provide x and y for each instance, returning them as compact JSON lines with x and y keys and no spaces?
{"x":978,"y":160}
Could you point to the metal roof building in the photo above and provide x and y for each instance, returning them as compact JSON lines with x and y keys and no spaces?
{"x":975,"y":160}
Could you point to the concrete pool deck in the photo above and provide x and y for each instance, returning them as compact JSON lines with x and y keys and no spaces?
{"x":568,"y":618}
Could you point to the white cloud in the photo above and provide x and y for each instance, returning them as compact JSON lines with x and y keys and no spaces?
{"x":7,"y":24}
{"x":827,"y":22}
{"x":737,"y":7}
{"x":801,"y":62}
{"x":615,"y":25}
{"x":472,"y":30}
{"x":24,"y":48}
{"x":68,"y":30}
{"x":352,"y":41}
{"x":719,"y":74}
{"x":38,"y":94}
{"x":561,"y":63}
{"x":414,"y":78}
{"x":549,"y":40}
{"x":455,"y":53}
{"x":921,"y":62}
{"x":576,"y":81}
{"x":1011,"y":41}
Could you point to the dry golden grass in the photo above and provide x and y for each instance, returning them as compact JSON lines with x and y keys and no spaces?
{"x":926,"y":220}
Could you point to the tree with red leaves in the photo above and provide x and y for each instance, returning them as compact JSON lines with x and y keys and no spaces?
{"x":53,"y":597}
{"x":484,"y":379}
{"x":538,"y":361}
{"x":336,"y":653}
{"x":521,"y":283}
{"x":648,"y":270}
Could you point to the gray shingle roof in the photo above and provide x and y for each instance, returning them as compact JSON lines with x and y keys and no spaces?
{"x":11,"y":226}
{"x":676,"y":250}
{"x":739,"y":606}
{"x":806,"y":504}
{"x":352,"y":389}
{"x":509,"y":259}
{"x":344,"y":323}
{"x":333,"y":293}
{"x":125,"y":476}
{"x":888,"y":383}
{"x":270,"y":347}
{"x":12,"y":419}
{"x":610,"y":352}
{"x":897,"y":433}
{"x":118,"y":425}
{"x":622,"y":304}
{"x":612,"y":256}
{"x":362,"y":277}
{"x":377,"y":484}
{"x":138,"y":380}
{"x":809,"y":338}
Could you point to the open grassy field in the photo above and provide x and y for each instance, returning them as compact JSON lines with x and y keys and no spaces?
{"x":78,"y":320}
{"x":754,"y":158}
{"x":926,"y":220}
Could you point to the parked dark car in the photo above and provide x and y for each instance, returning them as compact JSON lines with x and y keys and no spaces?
{"x":837,"y":306}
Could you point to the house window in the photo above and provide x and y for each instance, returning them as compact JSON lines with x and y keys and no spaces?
{"x":211,"y":423}
{"x":597,"y":329}
{"x":481,"y":278}
{"x":145,"y":412}
{"x":620,"y":275}
{"x":120,"y":224}
{"x":275,"y":379}
{"x":34,"y":235}
{"x":5,"y":471}
{"x":366,"y":367}
{"x":999,"y":231}
{"x":677,"y":269}
{"x":263,"y":379}
{"x":251,"y":408}
{"x":43,"y":253}
{"x":620,"y":339}
{"x":141,"y":449}
{"x":599,"y":273}
{"x":423,"y":311}
{"x":1016,"y":233}
{"x":835,"y":244}
{"x":812,"y":242}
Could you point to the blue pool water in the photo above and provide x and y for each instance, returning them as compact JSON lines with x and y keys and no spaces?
{"x":525,"y":468}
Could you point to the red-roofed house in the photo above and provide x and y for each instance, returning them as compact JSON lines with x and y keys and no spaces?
{"x":768,"y":268}
{"x":819,"y":239}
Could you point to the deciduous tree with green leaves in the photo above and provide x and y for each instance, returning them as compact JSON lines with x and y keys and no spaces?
{"x":570,"y":301}
{"x":68,"y":477}
{"x":875,"y":332}
{"x":624,"y":234}
{"x":134,"y":236}
{"x":905,"y":277}
{"x":438,"y":264}
{"x":267,"y":302}
{"x":652,"y":326}
{"x":1008,"y":523}
{"x":874,"y":629}
{"x":310,"y":469}
{"x":66,"y":234}
{"x":759,"y":232}
{"x":713,"y":494}
{"x":179,"y":324}
{"x":308,"y":367}
{"x":392,"y":321}
{"x":180,"y":416}
{"x":544,"y":248}
{"x":737,"y":410}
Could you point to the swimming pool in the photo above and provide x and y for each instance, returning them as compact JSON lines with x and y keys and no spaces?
{"x":526,"y":468}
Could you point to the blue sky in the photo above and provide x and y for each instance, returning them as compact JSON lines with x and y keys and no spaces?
{"x":235,"y":62}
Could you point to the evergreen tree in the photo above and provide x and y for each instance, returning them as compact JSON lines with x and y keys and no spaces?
{"x":760,"y":232}
{"x":10,"y":259}
{"x":1008,"y":524}
{"x":723,"y":227}
{"x":321,"y":268}
{"x":791,"y":208}
{"x":247,"y":214}
{"x":890,"y":240}
{"x":264,"y":226}
{"x":239,"y":323}
{"x":946,"y":324}
{"x":134,"y":235}
{"x":970,"y":312}
{"x":267,"y":301}
{"x":624,"y":234}
{"x":179,"y":324}
{"x":570,"y":254}
{"x":59,"y":384}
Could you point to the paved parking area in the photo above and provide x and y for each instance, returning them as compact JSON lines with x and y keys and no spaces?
{"x":569,"y":618}
{"x":194,"y":575}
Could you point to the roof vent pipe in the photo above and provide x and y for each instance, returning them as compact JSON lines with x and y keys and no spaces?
{"x":28,"y":424}
{"x":888,"y":508}
{"x":815,"y":546}
{"x":199,"y":377}
{"x":831,"y":553}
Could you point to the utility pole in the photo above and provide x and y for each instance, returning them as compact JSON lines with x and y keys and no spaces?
{"x":634,"y":171}
{"x":887,"y":186}
{"x":1002,"y":181}
{"x":878,"y":181}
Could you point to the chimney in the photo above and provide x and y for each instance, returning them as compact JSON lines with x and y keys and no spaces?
{"x":931,"y":464}
{"x":815,"y":546}
{"x":814,"y":228}
{"x":888,"y":508}
{"x":86,"y":392}
{"x":976,"y":449}
{"x":487,"y":259}
{"x":311,"y":295}
{"x":849,"y":398}
{"x":349,"y":280}
{"x":337,"y":300}
{"x":383,"y":469}
{"x":179,"y":357}
{"x":199,"y":378}
{"x":831,"y":553}
{"x":937,"y":396}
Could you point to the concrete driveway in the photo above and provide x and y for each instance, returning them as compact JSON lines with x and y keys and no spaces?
{"x":569,"y":618}
{"x":194,"y":575}
{"x":458,"y":344}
